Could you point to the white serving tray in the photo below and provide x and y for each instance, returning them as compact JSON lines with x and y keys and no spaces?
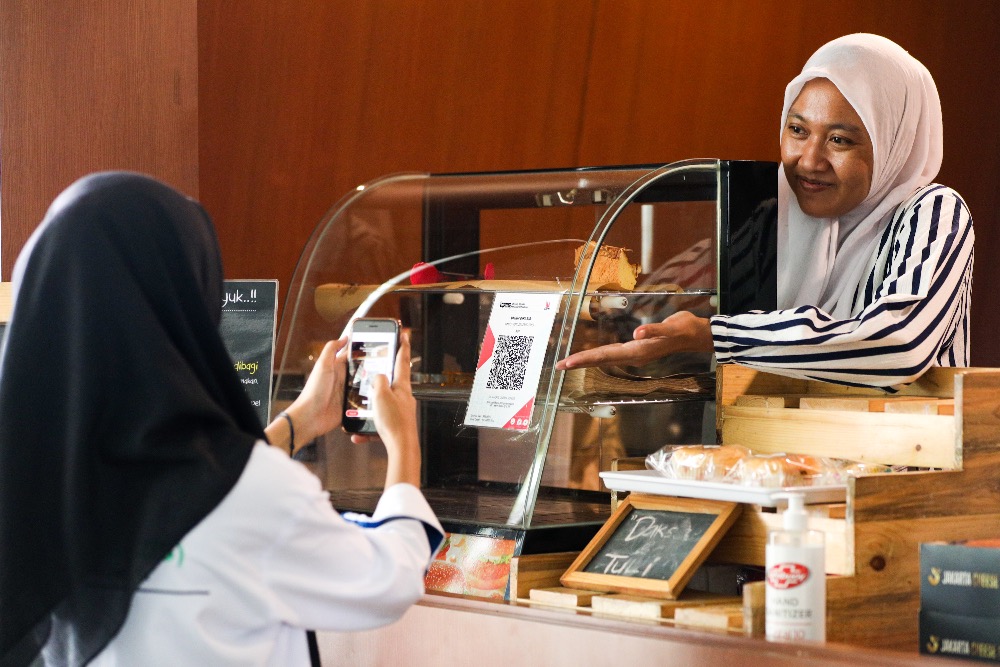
{"x":650,"y":481}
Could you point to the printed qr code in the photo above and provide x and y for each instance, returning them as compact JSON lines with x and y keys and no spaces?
{"x":510,"y":358}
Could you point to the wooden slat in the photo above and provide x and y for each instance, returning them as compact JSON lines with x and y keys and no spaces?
{"x":6,"y":301}
{"x":538,"y":571}
{"x":633,"y":606}
{"x":761,"y":401}
{"x":976,"y":398}
{"x":625,"y":463}
{"x":922,"y":406}
{"x":754,"y":593}
{"x":734,"y":380}
{"x":910,"y":440}
{"x":897,"y":404}
{"x":897,"y":543}
{"x":848,"y":403}
{"x":925,"y":494}
{"x":715,"y":617}
{"x":559,"y":596}
{"x":637,"y":606}
{"x":629,"y":463}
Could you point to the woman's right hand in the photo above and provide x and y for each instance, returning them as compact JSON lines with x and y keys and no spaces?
{"x":395,"y":412}
{"x":681,"y":332}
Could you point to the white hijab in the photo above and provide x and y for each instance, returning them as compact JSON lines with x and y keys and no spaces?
{"x":822,"y":260}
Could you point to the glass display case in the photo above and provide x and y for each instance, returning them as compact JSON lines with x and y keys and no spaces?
{"x":589,"y":253}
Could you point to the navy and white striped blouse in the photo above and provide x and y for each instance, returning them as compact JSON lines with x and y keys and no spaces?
{"x":910,"y":313}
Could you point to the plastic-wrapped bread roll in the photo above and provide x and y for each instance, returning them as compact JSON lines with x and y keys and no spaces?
{"x":723,"y":459}
{"x":686,"y":462}
{"x":702,"y":462}
{"x":767,"y":471}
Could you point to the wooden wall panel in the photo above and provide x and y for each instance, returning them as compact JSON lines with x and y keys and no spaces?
{"x":301,"y":102}
{"x":90,"y":85}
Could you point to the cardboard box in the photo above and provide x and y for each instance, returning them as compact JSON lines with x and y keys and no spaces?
{"x":961,"y":578}
{"x":956,"y":636}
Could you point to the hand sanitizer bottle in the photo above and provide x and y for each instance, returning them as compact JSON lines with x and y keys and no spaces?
{"x":795,"y":576}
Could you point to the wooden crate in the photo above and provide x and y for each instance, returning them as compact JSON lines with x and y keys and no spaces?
{"x":873,"y":587}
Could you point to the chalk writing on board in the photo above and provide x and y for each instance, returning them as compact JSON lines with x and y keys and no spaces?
{"x":650,"y":544}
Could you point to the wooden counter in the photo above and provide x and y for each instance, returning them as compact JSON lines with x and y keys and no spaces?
{"x":450,"y":630}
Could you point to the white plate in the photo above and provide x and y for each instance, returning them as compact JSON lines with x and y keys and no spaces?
{"x":650,"y":481}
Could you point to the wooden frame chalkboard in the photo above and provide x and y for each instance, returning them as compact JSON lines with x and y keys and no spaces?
{"x":651,"y":545}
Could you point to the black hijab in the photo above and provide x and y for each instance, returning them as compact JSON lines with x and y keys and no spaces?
{"x":122,"y":420}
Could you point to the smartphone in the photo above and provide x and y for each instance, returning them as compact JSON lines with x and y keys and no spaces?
{"x":373,"y":344}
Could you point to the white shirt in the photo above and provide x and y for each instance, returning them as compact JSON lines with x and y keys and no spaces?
{"x":273,"y":559}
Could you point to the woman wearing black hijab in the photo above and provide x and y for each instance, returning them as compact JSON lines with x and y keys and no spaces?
{"x":143,"y":519}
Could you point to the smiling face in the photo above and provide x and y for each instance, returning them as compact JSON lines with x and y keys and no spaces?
{"x":826,"y":152}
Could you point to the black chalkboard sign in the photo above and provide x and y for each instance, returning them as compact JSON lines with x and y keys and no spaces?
{"x":249,"y":311}
{"x":651,"y":545}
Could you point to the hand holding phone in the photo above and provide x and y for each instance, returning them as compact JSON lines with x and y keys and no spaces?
{"x":318,"y":408}
{"x":372,"y":351}
{"x":395,"y":416}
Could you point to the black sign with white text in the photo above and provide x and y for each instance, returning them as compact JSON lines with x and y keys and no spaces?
{"x":249,"y":315}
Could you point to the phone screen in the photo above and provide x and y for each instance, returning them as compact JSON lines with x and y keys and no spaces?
{"x":373,"y":352}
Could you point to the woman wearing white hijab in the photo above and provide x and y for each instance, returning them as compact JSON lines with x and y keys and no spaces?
{"x":875,"y":260}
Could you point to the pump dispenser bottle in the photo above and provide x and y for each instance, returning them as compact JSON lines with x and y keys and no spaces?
{"x":795,"y":600}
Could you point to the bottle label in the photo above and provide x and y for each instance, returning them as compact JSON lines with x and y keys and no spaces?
{"x":795,"y":601}
{"x":787,"y":575}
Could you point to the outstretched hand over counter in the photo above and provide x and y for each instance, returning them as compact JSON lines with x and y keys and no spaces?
{"x":681,"y":332}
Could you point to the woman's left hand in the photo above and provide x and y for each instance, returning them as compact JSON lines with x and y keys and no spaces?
{"x":680,"y":332}
{"x":318,"y":409}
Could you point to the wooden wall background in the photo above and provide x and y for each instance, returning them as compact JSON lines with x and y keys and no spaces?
{"x":87,"y":85}
{"x":300,"y":101}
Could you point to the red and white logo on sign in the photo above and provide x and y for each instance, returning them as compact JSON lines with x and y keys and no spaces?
{"x":787,"y":575}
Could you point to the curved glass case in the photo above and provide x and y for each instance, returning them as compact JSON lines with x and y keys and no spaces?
{"x":604,"y":249}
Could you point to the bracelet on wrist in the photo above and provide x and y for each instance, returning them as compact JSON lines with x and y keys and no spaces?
{"x":291,"y":432}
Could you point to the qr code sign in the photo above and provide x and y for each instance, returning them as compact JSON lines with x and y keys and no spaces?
{"x":510,"y":359}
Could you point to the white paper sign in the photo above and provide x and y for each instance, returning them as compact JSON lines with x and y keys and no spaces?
{"x":510,"y":361}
